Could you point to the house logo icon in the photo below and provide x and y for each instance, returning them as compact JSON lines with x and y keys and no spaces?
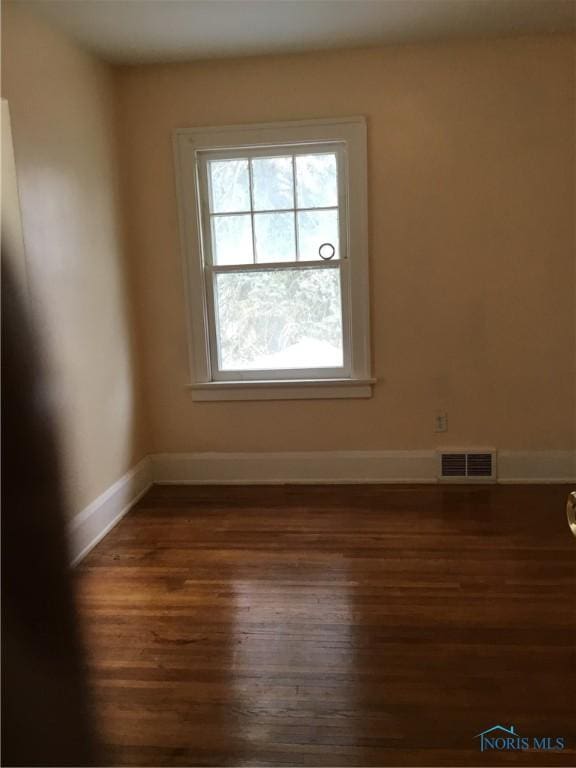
{"x":499,"y":737}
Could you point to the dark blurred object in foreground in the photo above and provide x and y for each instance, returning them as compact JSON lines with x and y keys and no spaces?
{"x":44,"y":702}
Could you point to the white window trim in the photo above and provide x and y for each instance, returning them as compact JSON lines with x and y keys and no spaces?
{"x":357,"y":381}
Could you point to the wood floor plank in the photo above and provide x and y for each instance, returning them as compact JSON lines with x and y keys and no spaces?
{"x":333,"y":625}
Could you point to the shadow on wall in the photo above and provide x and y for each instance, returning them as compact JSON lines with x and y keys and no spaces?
{"x":63,"y":123}
{"x":45,"y":711}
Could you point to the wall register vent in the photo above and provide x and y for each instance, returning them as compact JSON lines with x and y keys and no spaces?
{"x":465,"y":466}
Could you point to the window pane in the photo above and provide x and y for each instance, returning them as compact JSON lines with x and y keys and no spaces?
{"x":314,"y":229}
{"x":274,"y":237}
{"x":317,"y":181}
{"x":279,"y":319}
{"x":232,"y":239}
{"x":273,"y":184}
{"x":229,"y":186}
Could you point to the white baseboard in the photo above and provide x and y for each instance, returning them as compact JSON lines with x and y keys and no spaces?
{"x":294,"y":467}
{"x":94,"y":522}
{"x":537,"y":467}
{"x":347,"y":467}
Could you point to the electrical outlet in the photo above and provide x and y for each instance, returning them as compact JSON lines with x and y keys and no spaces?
{"x":441,"y":422}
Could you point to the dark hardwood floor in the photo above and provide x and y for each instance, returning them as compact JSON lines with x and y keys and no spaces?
{"x":341,"y":625}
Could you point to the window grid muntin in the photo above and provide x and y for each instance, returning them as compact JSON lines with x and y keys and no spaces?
{"x":251,"y":198}
{"x":294,"y":213}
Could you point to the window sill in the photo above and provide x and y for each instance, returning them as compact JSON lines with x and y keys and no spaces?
{"x":286,"y":389}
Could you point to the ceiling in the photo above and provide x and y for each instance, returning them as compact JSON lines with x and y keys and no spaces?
{"x":133,"y":31}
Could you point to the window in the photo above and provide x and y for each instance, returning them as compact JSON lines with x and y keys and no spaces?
{"x":273,"y":225}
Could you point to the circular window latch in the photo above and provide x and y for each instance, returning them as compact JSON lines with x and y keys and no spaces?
{"x":329,"y":254}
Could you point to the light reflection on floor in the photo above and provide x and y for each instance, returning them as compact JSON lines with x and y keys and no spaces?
{"x":280,"y":634}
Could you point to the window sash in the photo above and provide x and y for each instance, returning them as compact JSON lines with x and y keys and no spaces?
{"x":279,"y":149}
{"x":278,"y":373}
{"x":276,"y":210}
{"x":273,"y":265}
{"x":203,"y":157}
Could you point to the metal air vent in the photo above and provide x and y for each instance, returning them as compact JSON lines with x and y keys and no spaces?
{"x":455,"y":465}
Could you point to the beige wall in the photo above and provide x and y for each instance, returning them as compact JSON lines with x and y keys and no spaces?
{"x":62,"y":109}
{"x":471,"y":158}
{"x":12,"y":235}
